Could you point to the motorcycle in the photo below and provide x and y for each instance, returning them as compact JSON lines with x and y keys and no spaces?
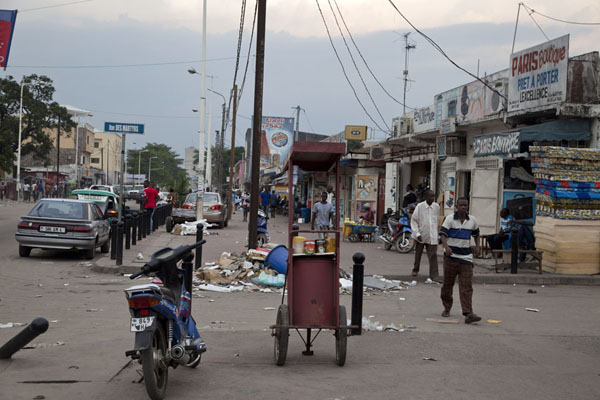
{"x":165,"y":331}
{"x":398,"y":234}
{"x":262,"y":235}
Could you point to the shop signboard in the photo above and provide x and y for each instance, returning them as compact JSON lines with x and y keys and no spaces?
{"x":538,"y":75}
{"x":355,"y":132}
{"x":366,"y":186}
{"x":423,"y":119}
{"x":496,"y":143}
{"x":277,"y":137}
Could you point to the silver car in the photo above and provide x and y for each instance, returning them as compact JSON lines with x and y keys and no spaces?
{"x":64,"y":224}
{"x":214,"y":210}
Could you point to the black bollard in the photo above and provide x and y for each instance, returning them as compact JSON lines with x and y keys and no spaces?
{"x":148,"y":219}
{"x":144,"y":223}
{"x":127,"y":232}
{"x":120,"y":227}
{"x":30,"y":332}
{"x":514,"y":247}
{"x":358,"y":277}
{"x":140,"y":225}
{"x":199,"y":234}
{"x":134,"y":228}
{"x":188,"y":270}
{"x":113,"y":240}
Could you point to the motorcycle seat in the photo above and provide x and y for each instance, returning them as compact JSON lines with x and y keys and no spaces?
{"x":168,"y":293}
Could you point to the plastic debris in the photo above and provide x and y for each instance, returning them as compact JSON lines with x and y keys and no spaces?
{"x":85,"y":264}
{"x":13,"y":324}
{"x":493,"y":321}
{"x":429,"y":359}
{"x":376,"y":326}
{"x":346,"y":284}
{"x":44,"y":345}
{"x":139,"y":256}
{"x":269,"y":308}
{"x":533,"y":309}
{"x":401,"y":299}
{"x":190,"y":228}
{"x":94,"y":310}
{"x":222,"y":289}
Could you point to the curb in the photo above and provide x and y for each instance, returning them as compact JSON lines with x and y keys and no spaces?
{"x":521,"y":279}
{"x":105,"y":265}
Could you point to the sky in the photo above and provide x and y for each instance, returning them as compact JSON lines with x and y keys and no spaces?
{"x":127,"y":60}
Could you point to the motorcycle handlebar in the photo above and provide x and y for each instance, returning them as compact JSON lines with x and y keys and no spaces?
{"x":153,"y":264}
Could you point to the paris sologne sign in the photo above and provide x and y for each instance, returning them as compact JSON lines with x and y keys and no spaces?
{"x":538,"y":75}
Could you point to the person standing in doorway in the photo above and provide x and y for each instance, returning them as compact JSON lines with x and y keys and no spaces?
{"x":456,"y":233}
{"x":150,"y":196}
{"x":245,"y":204}
{"x":410,"y":197}
{"x":322,"y":214}
{"x":424,"y":224}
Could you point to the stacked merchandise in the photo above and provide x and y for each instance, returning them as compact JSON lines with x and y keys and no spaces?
{"x":568,"y":208}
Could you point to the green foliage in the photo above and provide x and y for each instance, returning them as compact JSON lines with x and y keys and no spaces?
{"x":352,"y":145}
{"x":40,"y":113}
{"x":165,"y":167}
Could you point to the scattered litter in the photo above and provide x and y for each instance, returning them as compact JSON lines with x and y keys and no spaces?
{"x":190,"y":228}
{"x":543,"y":286}
{"x":532,"y":291}
{"x":66,"y":284}
{"x":401,"y":298}
{"x":430,"y":281}
{"x":532,"y":309}
{"x":85,"y":264}
{"x":218,"y":322}
{"x":94,"y":310}
{"x":380,"y":283}
{"x":429,"y":359}
{"x":493,"y":321}
{"x":412,"y":283}
{"x":269,"y":308}
{"x":442,"y":321}
{"x":54,"y":321}
{"x":44,"y":345}
{"x":38,"y":295}
{"x":73,"y":367}
{"x":139,"y":256}
{"x":211,"y":300}
{"x":269,"y":280}
{"x":13,"y":324}
{"x":376,"y":326}
{"x":127,"y":275}
{"x":222,"y":289}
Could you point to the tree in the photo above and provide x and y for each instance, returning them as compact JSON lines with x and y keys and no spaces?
{"x":352,"y":145}
{"x":40,"y":113}
{"x":165,"y":166}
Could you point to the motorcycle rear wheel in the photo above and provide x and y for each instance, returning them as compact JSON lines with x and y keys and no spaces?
{"x":404,"y":243}
{"x":154,"y":365}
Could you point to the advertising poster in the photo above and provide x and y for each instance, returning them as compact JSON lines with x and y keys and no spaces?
{"x":7,"y":27}
{"x":366,"y":186}
{"x":538,"y":75}
{"x":277,"y":137}
{"x":450,"y":190}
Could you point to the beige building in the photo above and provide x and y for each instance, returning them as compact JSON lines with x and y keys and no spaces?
{"x":106,"y":156}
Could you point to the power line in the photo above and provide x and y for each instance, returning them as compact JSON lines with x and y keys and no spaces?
{"x":237,"y":61}
{"x":356,"y":66}
{"x":365,"y":61}
{"x":307,"y":120}
{"x":55,"y":5}
{"x":249,"y":49}
{"x":539,"y":27}
{"x":559,"y":20}
{"x":442,"y":52}
{"x":344,"y":69}
{"x":118,"y":65}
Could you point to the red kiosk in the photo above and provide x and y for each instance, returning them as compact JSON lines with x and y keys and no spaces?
{"x":312,"y":280}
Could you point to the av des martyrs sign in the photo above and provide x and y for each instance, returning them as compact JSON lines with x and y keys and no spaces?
{"x":538,"y":75}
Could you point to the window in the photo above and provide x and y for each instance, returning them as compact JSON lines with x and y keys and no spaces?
{"x":95,"y":160}
{"x":96,"y":144}
{"x":88,"y":140}
{"x":60,"y":209}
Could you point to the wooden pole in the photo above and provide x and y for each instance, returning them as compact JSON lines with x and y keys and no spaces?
{"x":232,"y":155}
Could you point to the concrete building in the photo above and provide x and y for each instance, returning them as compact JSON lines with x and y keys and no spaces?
{"x":106,"y":157}
{"x":189,"y":165}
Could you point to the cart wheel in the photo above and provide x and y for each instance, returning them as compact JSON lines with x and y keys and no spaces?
{"x":282,"y":334}
{"x":341,"y":339}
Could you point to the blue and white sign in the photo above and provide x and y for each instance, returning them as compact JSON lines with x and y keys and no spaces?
{"x":120,"y":127}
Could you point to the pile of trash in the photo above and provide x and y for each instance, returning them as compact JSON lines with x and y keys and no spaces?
{"x":233,"y":273}
{"x":375,"y":284}
{"x":190,"y":228}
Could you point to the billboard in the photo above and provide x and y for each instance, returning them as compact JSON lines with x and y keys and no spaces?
{"x":276,"y":139}
{"x":423,"y":119}
{"x":355,"y":132}
{"x":538,"y":75}
{"x":7,"y":27}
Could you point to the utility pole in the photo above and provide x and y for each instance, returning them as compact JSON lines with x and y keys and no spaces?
{"x":232,"y":156}
{"x":200,"y":196}
{"x":257,"y":121}
{"x":297,"y":131}
{"x":221,"y":150}
{"x":407,"y":48}
{"x":57,"y":152}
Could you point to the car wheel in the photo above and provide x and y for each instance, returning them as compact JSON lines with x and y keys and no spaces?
{"x":91,"y":253}
{"x":169,"y":224}
{"x":24,"y":251}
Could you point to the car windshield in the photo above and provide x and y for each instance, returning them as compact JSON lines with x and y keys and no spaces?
{"x":208,"y":198}
{"x":60,"y":209}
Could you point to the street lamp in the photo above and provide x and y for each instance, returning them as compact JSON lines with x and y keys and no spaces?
{"x":220,"y":145}
{"x":150,"y":166}
{"x":140,"y":163}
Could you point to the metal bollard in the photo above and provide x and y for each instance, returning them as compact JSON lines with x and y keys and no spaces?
{"x":514,"y":247}
{"x":188,"y":272}
{"x":127,"y":232}
{"x":30,"y":332}
{"x":113,"y":240}
{"x":139,"y":225}
{"x":134,"y":228}
{"x":144,"y":221}
{"x":120,"y":226}
{"x":199,"y":234}
{"x":148,"y":219}
{"x":358,"y":276}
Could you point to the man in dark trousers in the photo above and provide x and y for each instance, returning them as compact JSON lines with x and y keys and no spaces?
{"x":456,"y":233}
{"x":150,"y":197}
{"x":424,"y":223}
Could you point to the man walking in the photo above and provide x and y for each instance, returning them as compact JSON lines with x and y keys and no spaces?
{"x":273,"y":202}
{"x":321,"y":214}
{"x":265,"y":198}
{"x":150,"y":196}
{"x":424,"y":224}
{"x":456,"y":233}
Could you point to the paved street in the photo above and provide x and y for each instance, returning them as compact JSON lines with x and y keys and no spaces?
{"x":550,"y":354}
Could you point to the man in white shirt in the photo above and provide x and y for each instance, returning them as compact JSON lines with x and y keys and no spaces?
{"x":424,"y":224}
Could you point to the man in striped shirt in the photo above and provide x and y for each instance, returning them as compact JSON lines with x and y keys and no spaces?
{"x":456,"y":233}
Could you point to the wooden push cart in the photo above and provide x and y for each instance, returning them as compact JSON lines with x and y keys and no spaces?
{"x":312,"y":280}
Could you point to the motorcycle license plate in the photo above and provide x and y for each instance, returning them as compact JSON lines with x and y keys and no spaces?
{"x":140,"y":324}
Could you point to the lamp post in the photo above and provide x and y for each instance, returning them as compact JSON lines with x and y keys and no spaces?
{"x":150,"y":166}
{"x":220,"y":145}
{"x":140,"y":163}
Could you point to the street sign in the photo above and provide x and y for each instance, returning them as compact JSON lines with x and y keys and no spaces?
{"x":120,"y":127}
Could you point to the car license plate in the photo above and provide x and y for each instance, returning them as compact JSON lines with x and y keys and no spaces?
{"x":206,"y":208}
{"x":53,"y":229}
{"x":140,"y":324}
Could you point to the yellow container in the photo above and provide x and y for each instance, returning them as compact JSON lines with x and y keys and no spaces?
{"x":330,"y":245}
{"x":347,"y":228}
{"x":298,"y":244}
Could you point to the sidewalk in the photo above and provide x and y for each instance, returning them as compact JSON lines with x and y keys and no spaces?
{"x":378,"y":261}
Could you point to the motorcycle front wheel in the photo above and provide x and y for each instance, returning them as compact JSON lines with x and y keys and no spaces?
{"x":154,"y":365}
{"x":404,"y":243}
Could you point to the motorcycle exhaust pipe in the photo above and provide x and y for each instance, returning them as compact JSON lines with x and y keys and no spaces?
{"x":177,"y":353}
